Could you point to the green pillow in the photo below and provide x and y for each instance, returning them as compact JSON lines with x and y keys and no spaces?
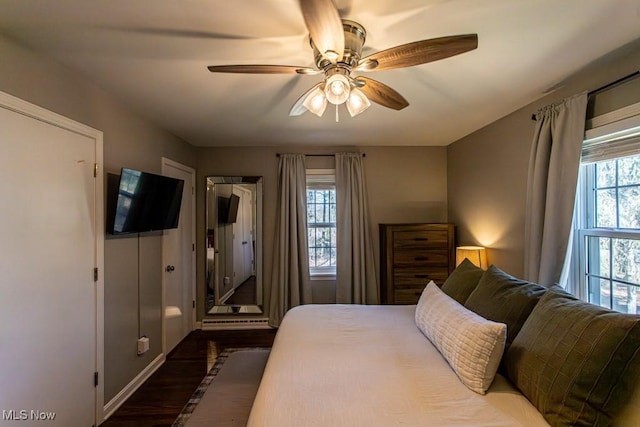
{"x":504,"y":299}
{"x":462,"y":281}
{"x":578,"y":364}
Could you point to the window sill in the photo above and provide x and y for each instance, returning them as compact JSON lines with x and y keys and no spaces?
{"x":327,"y":276}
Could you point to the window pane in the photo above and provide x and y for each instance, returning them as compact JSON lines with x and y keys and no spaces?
{"x":629,"y":205}
{"x":629,"y":170}
{"x":311,"y":197}
{"x":332,"y":213}
{"x":625,"y":298}
{"x":320,"y":217}
{"x":606,"y":208}
{"x":599,"y":291}
{"x":311,"y":213}
{"x":598,"y":256}
{"x":606,"y":173}
{"x":311,"y":236}
{"x":625,"y":260}
{"x":312,"y":258}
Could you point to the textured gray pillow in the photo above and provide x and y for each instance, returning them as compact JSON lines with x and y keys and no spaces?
{"x":504,"y":299}
{"x":578,"y":364}
{"x":462,"y":281}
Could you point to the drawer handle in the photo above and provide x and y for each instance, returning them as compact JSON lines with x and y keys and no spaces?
{"x":421,"y":276}
{"x":420,"y":239}
{"x":421,"y":258}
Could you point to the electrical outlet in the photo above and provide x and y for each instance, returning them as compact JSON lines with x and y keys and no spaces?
{"x":143,"y":345}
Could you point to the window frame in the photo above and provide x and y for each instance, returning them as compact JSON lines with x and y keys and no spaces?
{"x":319,"y":179}
{"x":610,"y":140}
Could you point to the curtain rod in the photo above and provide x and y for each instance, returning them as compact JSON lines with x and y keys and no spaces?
{"x":321,"y":155}
{"x":607,"y":86}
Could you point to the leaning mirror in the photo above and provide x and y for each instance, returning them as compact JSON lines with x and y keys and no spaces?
{"x":234,"y":245}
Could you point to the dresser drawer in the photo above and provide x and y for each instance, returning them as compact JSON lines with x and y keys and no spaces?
{"x":420,"y":257}
{"x":407,"y":276}
{"x":407,"y":296}
{"x":420,"y":239}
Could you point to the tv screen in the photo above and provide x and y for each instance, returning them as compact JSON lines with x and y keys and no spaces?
{"x":146,"y":202}
{"x":232,"y":211}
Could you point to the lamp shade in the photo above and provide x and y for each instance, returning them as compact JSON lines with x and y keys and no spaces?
{"x":357,"y":102}
{"x":337,"y":89}
{"x":476,"y":254}
{"x":316,"y":102}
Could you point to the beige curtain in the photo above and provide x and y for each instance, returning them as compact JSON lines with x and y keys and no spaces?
{"x":290,"y":284}
{"x":553,"y":173}
{"x":356,"y":274}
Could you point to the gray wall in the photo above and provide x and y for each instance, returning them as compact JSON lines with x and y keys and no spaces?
{"x":131,"y":141}
{"x":404,"y":184}
{"x":487,"y":170}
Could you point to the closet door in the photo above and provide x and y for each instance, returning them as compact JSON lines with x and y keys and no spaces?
{"x":50,"y":230}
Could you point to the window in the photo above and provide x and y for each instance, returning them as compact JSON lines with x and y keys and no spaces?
{"x":321,"y":222}
{"x":608,"y":221}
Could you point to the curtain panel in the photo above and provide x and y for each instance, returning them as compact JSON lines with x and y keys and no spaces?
{"x":356,"y":274}
{"x":290,"y":284}
{"x":551,"y":188}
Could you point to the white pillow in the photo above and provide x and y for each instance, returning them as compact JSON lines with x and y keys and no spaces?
{"x":471,"y":344}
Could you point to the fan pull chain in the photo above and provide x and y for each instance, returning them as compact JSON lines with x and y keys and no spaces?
{"x":337,"y":116}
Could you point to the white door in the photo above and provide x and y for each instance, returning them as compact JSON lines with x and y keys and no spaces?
{"x":242,"y":238}
{"x":247,"y":230}
{"x":50,"y":232}
{"x":179,"y":262}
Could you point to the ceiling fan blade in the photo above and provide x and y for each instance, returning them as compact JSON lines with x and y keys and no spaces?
{"x":325,"y":27}
{"x":420,"y":52}
{"x":382,"y":94}
{"x":262,"y":69}
{"x":298,"y":108}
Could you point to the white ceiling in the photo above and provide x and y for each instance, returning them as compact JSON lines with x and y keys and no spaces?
{"x":153,"y":55}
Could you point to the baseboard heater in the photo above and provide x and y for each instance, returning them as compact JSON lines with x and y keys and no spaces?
{"x":221,"y":324}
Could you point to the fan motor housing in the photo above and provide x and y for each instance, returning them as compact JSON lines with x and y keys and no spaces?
{"x":354,"y":37}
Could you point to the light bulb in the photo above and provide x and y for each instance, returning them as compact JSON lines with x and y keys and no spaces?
{"x":337,"y":89}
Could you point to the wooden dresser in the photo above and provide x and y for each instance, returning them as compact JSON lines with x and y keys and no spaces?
{"x":410,"y":256}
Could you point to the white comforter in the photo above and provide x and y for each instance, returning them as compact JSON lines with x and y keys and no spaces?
{"x":353,"y":365}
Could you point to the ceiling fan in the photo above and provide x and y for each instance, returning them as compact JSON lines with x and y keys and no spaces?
{"x":337,"y":47}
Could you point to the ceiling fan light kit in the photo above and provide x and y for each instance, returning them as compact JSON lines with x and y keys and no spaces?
{"x":337,"y":48}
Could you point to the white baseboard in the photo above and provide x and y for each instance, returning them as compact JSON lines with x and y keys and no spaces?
{"x":130,"y":388}
{"x":213,"y":324}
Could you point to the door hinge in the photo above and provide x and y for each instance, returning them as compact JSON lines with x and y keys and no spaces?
{"x":95,"y":274}
{"x":194,"y":303}
{"x":193,"y":247}
{"x":95,"y":379}
{"x":95,"y":170}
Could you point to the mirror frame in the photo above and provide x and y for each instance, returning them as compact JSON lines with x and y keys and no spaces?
{"x":212,"y":246}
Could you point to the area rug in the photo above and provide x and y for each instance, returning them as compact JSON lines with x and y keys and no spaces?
{"x":225,"y":395}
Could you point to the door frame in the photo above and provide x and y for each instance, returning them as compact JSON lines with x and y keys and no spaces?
{"x":166,"y":162}
{"x":28,"y":109}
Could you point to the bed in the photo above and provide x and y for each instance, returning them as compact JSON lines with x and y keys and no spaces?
{"x":355,"y":365}
{"x":485,"y":349}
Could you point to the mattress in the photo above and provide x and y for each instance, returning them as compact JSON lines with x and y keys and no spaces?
{"x":356,"y":365}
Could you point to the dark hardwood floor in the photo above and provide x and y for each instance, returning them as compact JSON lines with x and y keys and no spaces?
{"x":245,"y":294}
{"x":160,"y":399}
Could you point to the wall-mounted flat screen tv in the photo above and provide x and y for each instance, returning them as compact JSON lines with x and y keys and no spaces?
{"x":228,"y":209}
{"x":145,"y":202}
